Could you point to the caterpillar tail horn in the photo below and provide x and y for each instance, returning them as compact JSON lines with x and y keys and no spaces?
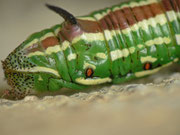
{"x":63,"y":13}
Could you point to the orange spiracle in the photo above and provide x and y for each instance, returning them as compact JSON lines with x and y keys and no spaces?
{"x":89,"y":72}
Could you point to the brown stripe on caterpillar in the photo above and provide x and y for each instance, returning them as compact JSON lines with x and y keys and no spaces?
{"x":175,"y":5}
{"x":129,"y":16}
{"x":114,"y":20}
{"x":49,"y":41}
{"x":125,"y":18}
{"x":69,"y":31}
{"x":139,"y":13}
{"x":103,"y":24}
{"x":170,"y":5}
{"x":43,"y":45}
{"x":89,"y":26}
{"x":109,"y":22}
{"x":123,"y":24}
{"x":167,"y":5}
{"x":156,"y":9}
{"x":147,"y":11}
{"x":178,"y":3}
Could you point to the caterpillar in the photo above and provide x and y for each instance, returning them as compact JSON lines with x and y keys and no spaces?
{"x":113,"y":45}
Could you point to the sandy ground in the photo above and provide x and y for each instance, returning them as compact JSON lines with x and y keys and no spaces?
{"x":138,"y":108}
{"x":146,"y":106}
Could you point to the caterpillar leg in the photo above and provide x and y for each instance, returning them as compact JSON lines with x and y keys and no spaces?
{"x":57,"y":84}
{"x":128,"y":77}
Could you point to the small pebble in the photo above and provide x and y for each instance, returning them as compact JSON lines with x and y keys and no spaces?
{"x":48,"y":97}
{"x":30,"y":98}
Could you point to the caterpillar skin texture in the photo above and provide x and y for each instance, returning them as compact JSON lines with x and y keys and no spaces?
{"x":113,"y":45}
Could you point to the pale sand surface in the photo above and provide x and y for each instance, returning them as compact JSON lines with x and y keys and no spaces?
{"x":138,"y":109}
{"x":149,"y":106}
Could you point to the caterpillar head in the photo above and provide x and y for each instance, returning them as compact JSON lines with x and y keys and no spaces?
{"x":15,"y":68}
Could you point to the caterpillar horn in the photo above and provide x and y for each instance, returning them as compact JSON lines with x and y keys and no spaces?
{"x":63,"y":13}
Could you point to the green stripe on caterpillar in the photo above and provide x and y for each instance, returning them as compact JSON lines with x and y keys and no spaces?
{"x":113,"y":45}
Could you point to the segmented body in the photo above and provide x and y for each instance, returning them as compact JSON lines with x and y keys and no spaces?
{"x":116,"y":44}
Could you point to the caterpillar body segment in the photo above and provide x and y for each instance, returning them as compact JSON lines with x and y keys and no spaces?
{"x":113,"y":45}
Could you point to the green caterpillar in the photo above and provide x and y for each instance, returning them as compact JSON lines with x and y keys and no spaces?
{"x":113,"y":45}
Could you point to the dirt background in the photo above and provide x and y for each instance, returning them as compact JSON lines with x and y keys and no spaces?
{"x":146,"y":106}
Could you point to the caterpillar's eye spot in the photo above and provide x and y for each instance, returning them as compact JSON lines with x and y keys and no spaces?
{"x":147,"y":66}
{"x":89,"y":72}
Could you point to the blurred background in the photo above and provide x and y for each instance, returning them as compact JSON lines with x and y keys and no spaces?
{"x":20,"y":18}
